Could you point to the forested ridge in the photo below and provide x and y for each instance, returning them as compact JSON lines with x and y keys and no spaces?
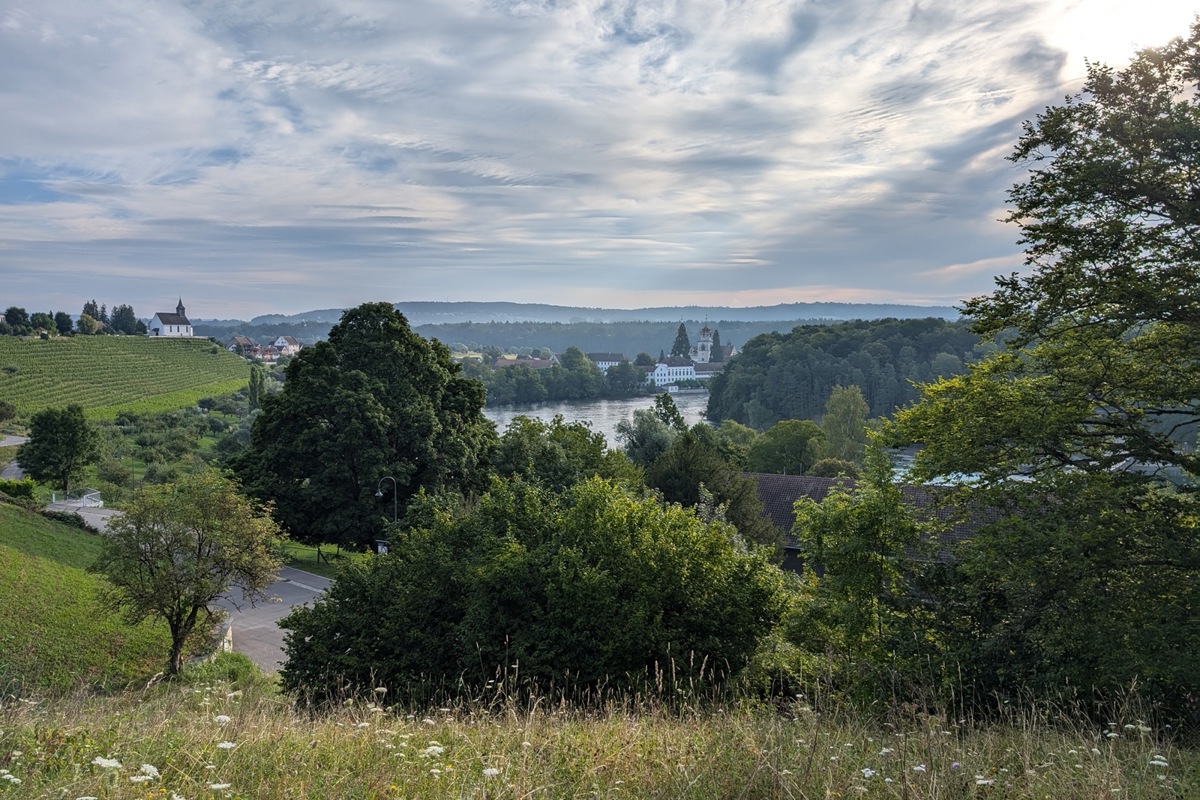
{"x":780,"y":376}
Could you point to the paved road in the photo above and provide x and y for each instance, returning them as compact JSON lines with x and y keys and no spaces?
{"x":13,"y":471}
{"x":255,"y":632}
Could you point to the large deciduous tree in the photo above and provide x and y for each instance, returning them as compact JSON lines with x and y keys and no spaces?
{"x":1093,"y":398}
{"x":61,"y":443}
{"x":374,"y":400}
{"x":180,"y":547}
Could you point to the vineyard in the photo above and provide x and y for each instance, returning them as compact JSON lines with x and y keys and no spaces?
{"x":107,"y":374}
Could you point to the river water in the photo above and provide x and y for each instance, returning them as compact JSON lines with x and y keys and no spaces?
{"x":602,"y":415}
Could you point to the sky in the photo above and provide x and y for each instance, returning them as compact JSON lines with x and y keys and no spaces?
{"x":277,"y":156}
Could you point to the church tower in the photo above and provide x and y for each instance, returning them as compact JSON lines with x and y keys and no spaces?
{"x":179,"y":308}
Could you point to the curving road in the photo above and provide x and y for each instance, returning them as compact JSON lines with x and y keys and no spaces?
{"x":254,"y":629}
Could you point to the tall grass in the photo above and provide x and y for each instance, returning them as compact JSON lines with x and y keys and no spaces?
{"x":213,"y":738}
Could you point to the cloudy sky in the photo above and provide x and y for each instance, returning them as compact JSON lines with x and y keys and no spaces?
{"x":259,"y":156}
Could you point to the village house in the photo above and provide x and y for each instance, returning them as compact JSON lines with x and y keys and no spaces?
{"x":286,"y":346}
{"x":606,"y":360}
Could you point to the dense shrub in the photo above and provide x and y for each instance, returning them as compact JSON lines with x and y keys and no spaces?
{"x":594,"y":588}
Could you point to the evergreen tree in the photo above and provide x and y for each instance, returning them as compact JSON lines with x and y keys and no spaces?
{"x":718,"y":354}
{"x":682,"y":348}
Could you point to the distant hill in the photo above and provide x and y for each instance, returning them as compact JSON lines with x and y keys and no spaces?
{"x":432,"y":313}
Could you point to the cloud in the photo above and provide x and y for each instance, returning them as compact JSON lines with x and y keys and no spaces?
{"x":636,"y":150}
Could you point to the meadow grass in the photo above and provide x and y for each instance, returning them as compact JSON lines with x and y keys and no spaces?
{"x":304,"y":556}
{"x":54,"y":636}
{"x":213,"y":738}
{"x":7,"y":455}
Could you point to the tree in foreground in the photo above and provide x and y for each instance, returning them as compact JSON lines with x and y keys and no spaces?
{"x":1089,"y":578}
{"x":376,"y":400}
{"x":179,"y":547}
{"x":598,"y":587}
{"x":61,"y":444}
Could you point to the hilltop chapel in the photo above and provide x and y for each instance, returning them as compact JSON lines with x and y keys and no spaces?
{"x":165,"y":323}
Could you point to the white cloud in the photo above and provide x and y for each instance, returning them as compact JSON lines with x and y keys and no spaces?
{"x":523,"y":150}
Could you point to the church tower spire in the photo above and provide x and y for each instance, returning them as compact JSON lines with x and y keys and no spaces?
{"x":179,"y":308}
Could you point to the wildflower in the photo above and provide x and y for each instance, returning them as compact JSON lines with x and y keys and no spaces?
{"x":139,"y":778}
{"x":433,"y":751}
{"x":491,"y":772}
{"x":177,"y":796}
{"x":363,"y":725}
{"x":955,"y":765}
{"x":982,"y":781}
{"x":380,"y":690}
{"x":219,"y":786}
{"x":1095,"y":751}
{"x":13,"y":779}
{"x":106,"y":763}
{"x":868,"y":772}
{"x":919,"y":768}
{"x":526,"y":744}
{"x":1158,"y":761}
{"x":1113,"y":735}
{"x":221,"y":719}
{"x":887,"y":751}
{"x":428,"y":721}
{"x":149,"y":770}
{"x":226,"y":745}
{"x":435,"y":772}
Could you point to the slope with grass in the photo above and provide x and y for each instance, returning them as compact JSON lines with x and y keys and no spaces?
{"x":107,"y":374}
{"x":54,"y":637}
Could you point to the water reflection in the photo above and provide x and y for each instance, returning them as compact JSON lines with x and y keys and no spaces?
{"x":603,"y":415}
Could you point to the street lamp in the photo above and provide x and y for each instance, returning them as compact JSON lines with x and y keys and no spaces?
{"x":395,"y":492}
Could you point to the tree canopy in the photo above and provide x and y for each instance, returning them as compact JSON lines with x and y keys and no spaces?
{"x":681,"y":347}
{"x":374,"y":400}
{"x":61,"y":444}
{"x":1079,"y":433}
{"x":180,"y":547}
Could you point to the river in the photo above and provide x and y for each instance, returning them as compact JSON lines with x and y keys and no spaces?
{"x":602,"y":415}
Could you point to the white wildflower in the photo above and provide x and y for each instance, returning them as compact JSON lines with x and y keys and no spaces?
{"x":226,"y":745}
{"x":982,"y":781}
{"x":149,"y":770}
{"x":219,"y":786}
{"x":491,"y":772}
{"x":919,"y":768}
{"x":867,"y":772}
{"x":139,"y":778}
{"x":433,"y":751}
{"x":221,"y":719}
{"x":106,"y":763}
{"x":1158,"y":761}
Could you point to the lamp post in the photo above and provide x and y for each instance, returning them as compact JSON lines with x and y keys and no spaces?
{"x":395,"y":492}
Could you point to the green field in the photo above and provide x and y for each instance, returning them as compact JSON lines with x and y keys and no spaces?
{"x":108,"y":374}
{"x":53,"y":634}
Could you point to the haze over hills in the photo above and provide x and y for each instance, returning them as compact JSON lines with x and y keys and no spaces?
{"x":434,"y":312}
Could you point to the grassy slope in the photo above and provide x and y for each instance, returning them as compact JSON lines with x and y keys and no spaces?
{"x":53,"y":636}
{"x":106,"y":374}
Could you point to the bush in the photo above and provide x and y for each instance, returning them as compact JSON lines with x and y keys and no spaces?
{"x":594,"y":589}
{"x":23,"y":488}
{"x":72,"y":519}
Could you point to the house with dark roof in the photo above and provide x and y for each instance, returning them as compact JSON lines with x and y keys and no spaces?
{"x":165,"y":323}
{"x":286,"y":345}
{"x":779,"y":494}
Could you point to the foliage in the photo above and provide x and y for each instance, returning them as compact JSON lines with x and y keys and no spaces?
{"x":374,"y":400}
{"x":844,"y":425}
{"x":681,"y":347}
{"x":258,"y":387}
{"x":123,"y":320}
{"x":178,"y":548}
{"x":61,"y":443}
{"x":863,"y":608}
{"x":645,"y":436}
{"x":18,"y":487}
{"x":106,"y":374}
{"x":63,"y":323}
{"x":718,"y":351}
{"x":1089,"y":574}
{"x":779,"y":376}
{"x":693,"y":465}
{"x":87,"y":325}
{"x":789,"y":447}
{"x":597,"y":587}
{"x":557,"y":454}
